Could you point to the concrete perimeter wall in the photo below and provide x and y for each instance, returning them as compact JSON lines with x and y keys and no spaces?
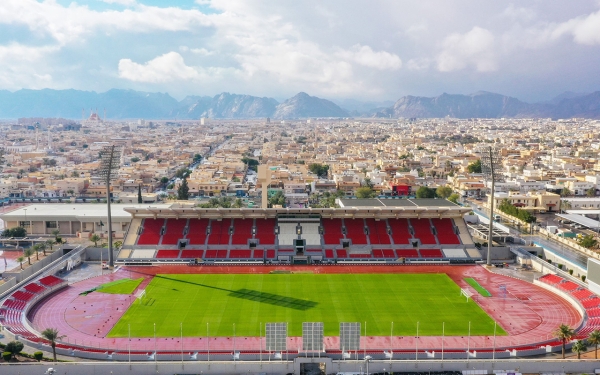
{"x":210,"y":368}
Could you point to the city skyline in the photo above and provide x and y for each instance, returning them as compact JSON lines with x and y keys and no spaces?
{"x":531,"y":51}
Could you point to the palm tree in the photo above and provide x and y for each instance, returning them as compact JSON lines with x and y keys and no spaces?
{"x":43,"y":247}
{"x":20,"y":260}
{"x":36,"y":249}
{"x":55,"y":233}
{"x":28,"y":253}
{"x":49,"y":242}
{"x":51,"y":335}
{"x":95,"y":238}
{"x":579,"y":347}
{"x":594,"y":339}
{"x":564,"y":333}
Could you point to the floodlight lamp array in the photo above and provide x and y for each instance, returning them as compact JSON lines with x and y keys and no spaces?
{"x":110,"y":157}
{"x":491,"y":164}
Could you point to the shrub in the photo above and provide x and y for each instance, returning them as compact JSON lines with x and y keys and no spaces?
{"x":570,"y":272}
{"x":14,"y":347}
{"x":560,"y":266}
{"x":583,"y":277}
{"x":38,"y":356}
{"x":6,"y":356}
{"x":549,"y":261}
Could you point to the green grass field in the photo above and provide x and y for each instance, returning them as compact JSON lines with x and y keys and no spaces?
{"x":248,"y":300}
{"x":481,"y":290}
{"x":123,"y":286}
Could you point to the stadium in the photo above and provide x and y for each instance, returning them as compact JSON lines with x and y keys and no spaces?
{"x":391,"y":280}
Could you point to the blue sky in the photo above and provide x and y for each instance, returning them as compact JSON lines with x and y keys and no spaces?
{"x":337,"y":49}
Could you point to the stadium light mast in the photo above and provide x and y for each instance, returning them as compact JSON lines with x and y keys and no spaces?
{"x":109,"y":165}
{"x":491,"y":166}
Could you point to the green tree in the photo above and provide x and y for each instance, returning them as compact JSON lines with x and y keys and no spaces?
{"x":564,"y":333}
{"x":591,"y":192}
{"x":238,"y":203}
{"x":594,"y":339}
{"x":183,"y":172}
{"x":164,"y":180}
{"x":277,"y":199}
{"x":18,"y":232}
{"x":135,"y":159}
{"x":443,"y":191}
{"x":474,"y":167}
{"x":55,"y":233}
{"x":118,"y":244}
{"x":20,"y":260}
{"x":588,"y":241}
{"x":183,"y":192}
{"x":52,"y":336}
{"x":365,"y":193}
{"x":140,"y":199}
{"x":14,"y":347}
{"x":95,"y":238}
{"x":321,"y":170}
{"x":565,"y":192}
{"x":579,"y":347}
{"x":197,"y":158}
{"x":454,"y":198}
{"x":425,"y":192}
{"x":250,"y":163}
{"x":368,"y":183}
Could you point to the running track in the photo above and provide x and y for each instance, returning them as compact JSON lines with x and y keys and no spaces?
{"x":528,"y":314}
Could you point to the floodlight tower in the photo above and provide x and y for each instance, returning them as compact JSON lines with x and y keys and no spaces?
{"x":491,"y":166}
{"x":109,"y":165}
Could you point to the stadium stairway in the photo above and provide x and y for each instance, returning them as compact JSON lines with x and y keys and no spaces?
{"x":463,"y":232}
{"x":133,"y":232}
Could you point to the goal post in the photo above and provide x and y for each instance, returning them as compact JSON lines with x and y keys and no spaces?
{"x":466,"y":293}
{"x":141,"y":294}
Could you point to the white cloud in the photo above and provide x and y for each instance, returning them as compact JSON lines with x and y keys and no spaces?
{"x":71,"y":24}
{"x":418,"y":64}
{"x":585,"y":30}
{"x":169,"y":67}
{"x":364,"y":55}
{"x":474,"y":48}
{"x":126,"y":3}
{"x":197,"y":51}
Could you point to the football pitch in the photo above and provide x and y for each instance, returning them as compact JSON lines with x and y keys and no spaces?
{"x":251,"y":300}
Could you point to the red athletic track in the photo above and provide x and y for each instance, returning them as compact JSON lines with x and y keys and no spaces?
{"x":528,"y":314}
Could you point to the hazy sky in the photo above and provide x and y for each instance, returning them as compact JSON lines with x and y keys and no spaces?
{"x":365,"y":50}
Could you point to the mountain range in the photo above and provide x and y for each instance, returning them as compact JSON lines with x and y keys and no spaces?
{"x":130,"y":104}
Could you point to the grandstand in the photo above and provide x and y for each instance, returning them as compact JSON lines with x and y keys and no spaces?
{"x":403,"y":233}
{"x":419,"y":239}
